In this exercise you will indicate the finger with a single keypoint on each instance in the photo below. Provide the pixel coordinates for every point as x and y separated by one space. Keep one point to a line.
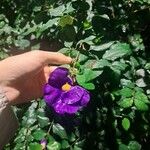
56 58
48 71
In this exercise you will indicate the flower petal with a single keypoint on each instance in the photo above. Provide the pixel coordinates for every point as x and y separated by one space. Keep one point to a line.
67 101
59 77
72 96
43 141
85 98
62 108
52 96
47 89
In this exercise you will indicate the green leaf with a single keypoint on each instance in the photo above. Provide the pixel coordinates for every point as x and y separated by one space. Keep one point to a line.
141 101
127 83
119 65
67 33
19 146
87 40
141 97
126 103
116 71
101 64
141 83
64 144
69 8
39 134
126 123
85 78
60 131
134 63
22 43
43 121
133 145
71 137
65 20
53 146
77 148
48 24
140 105
147 66
31 121
3 55
35 146
126 92
89 75
123 147
117 50
102 46
65 50
68 44
88 86
58 11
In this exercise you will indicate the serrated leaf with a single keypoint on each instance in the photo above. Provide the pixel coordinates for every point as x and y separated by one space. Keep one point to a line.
126 103
117 50
133 145
126 92
60 131
141 97
140 105
141 101
126 123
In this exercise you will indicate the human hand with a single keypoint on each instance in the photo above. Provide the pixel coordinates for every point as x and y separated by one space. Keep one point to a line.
22 76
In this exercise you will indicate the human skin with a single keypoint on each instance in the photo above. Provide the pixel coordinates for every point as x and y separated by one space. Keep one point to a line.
22 76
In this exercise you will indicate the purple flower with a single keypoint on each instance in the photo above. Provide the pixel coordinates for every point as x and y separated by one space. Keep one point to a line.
60 93
43 142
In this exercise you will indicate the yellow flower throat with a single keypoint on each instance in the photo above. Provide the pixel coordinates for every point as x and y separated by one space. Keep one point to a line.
66 87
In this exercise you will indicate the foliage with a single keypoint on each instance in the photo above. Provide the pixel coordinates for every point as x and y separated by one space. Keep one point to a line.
109 40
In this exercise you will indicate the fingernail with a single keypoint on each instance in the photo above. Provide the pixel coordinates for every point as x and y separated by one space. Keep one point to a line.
70 59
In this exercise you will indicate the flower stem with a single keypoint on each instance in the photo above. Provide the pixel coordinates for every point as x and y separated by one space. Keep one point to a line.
50 127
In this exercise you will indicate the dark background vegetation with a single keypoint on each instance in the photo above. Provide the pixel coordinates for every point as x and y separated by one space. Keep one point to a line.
110 40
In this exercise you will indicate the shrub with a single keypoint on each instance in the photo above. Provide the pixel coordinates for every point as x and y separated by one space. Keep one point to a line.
110 43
